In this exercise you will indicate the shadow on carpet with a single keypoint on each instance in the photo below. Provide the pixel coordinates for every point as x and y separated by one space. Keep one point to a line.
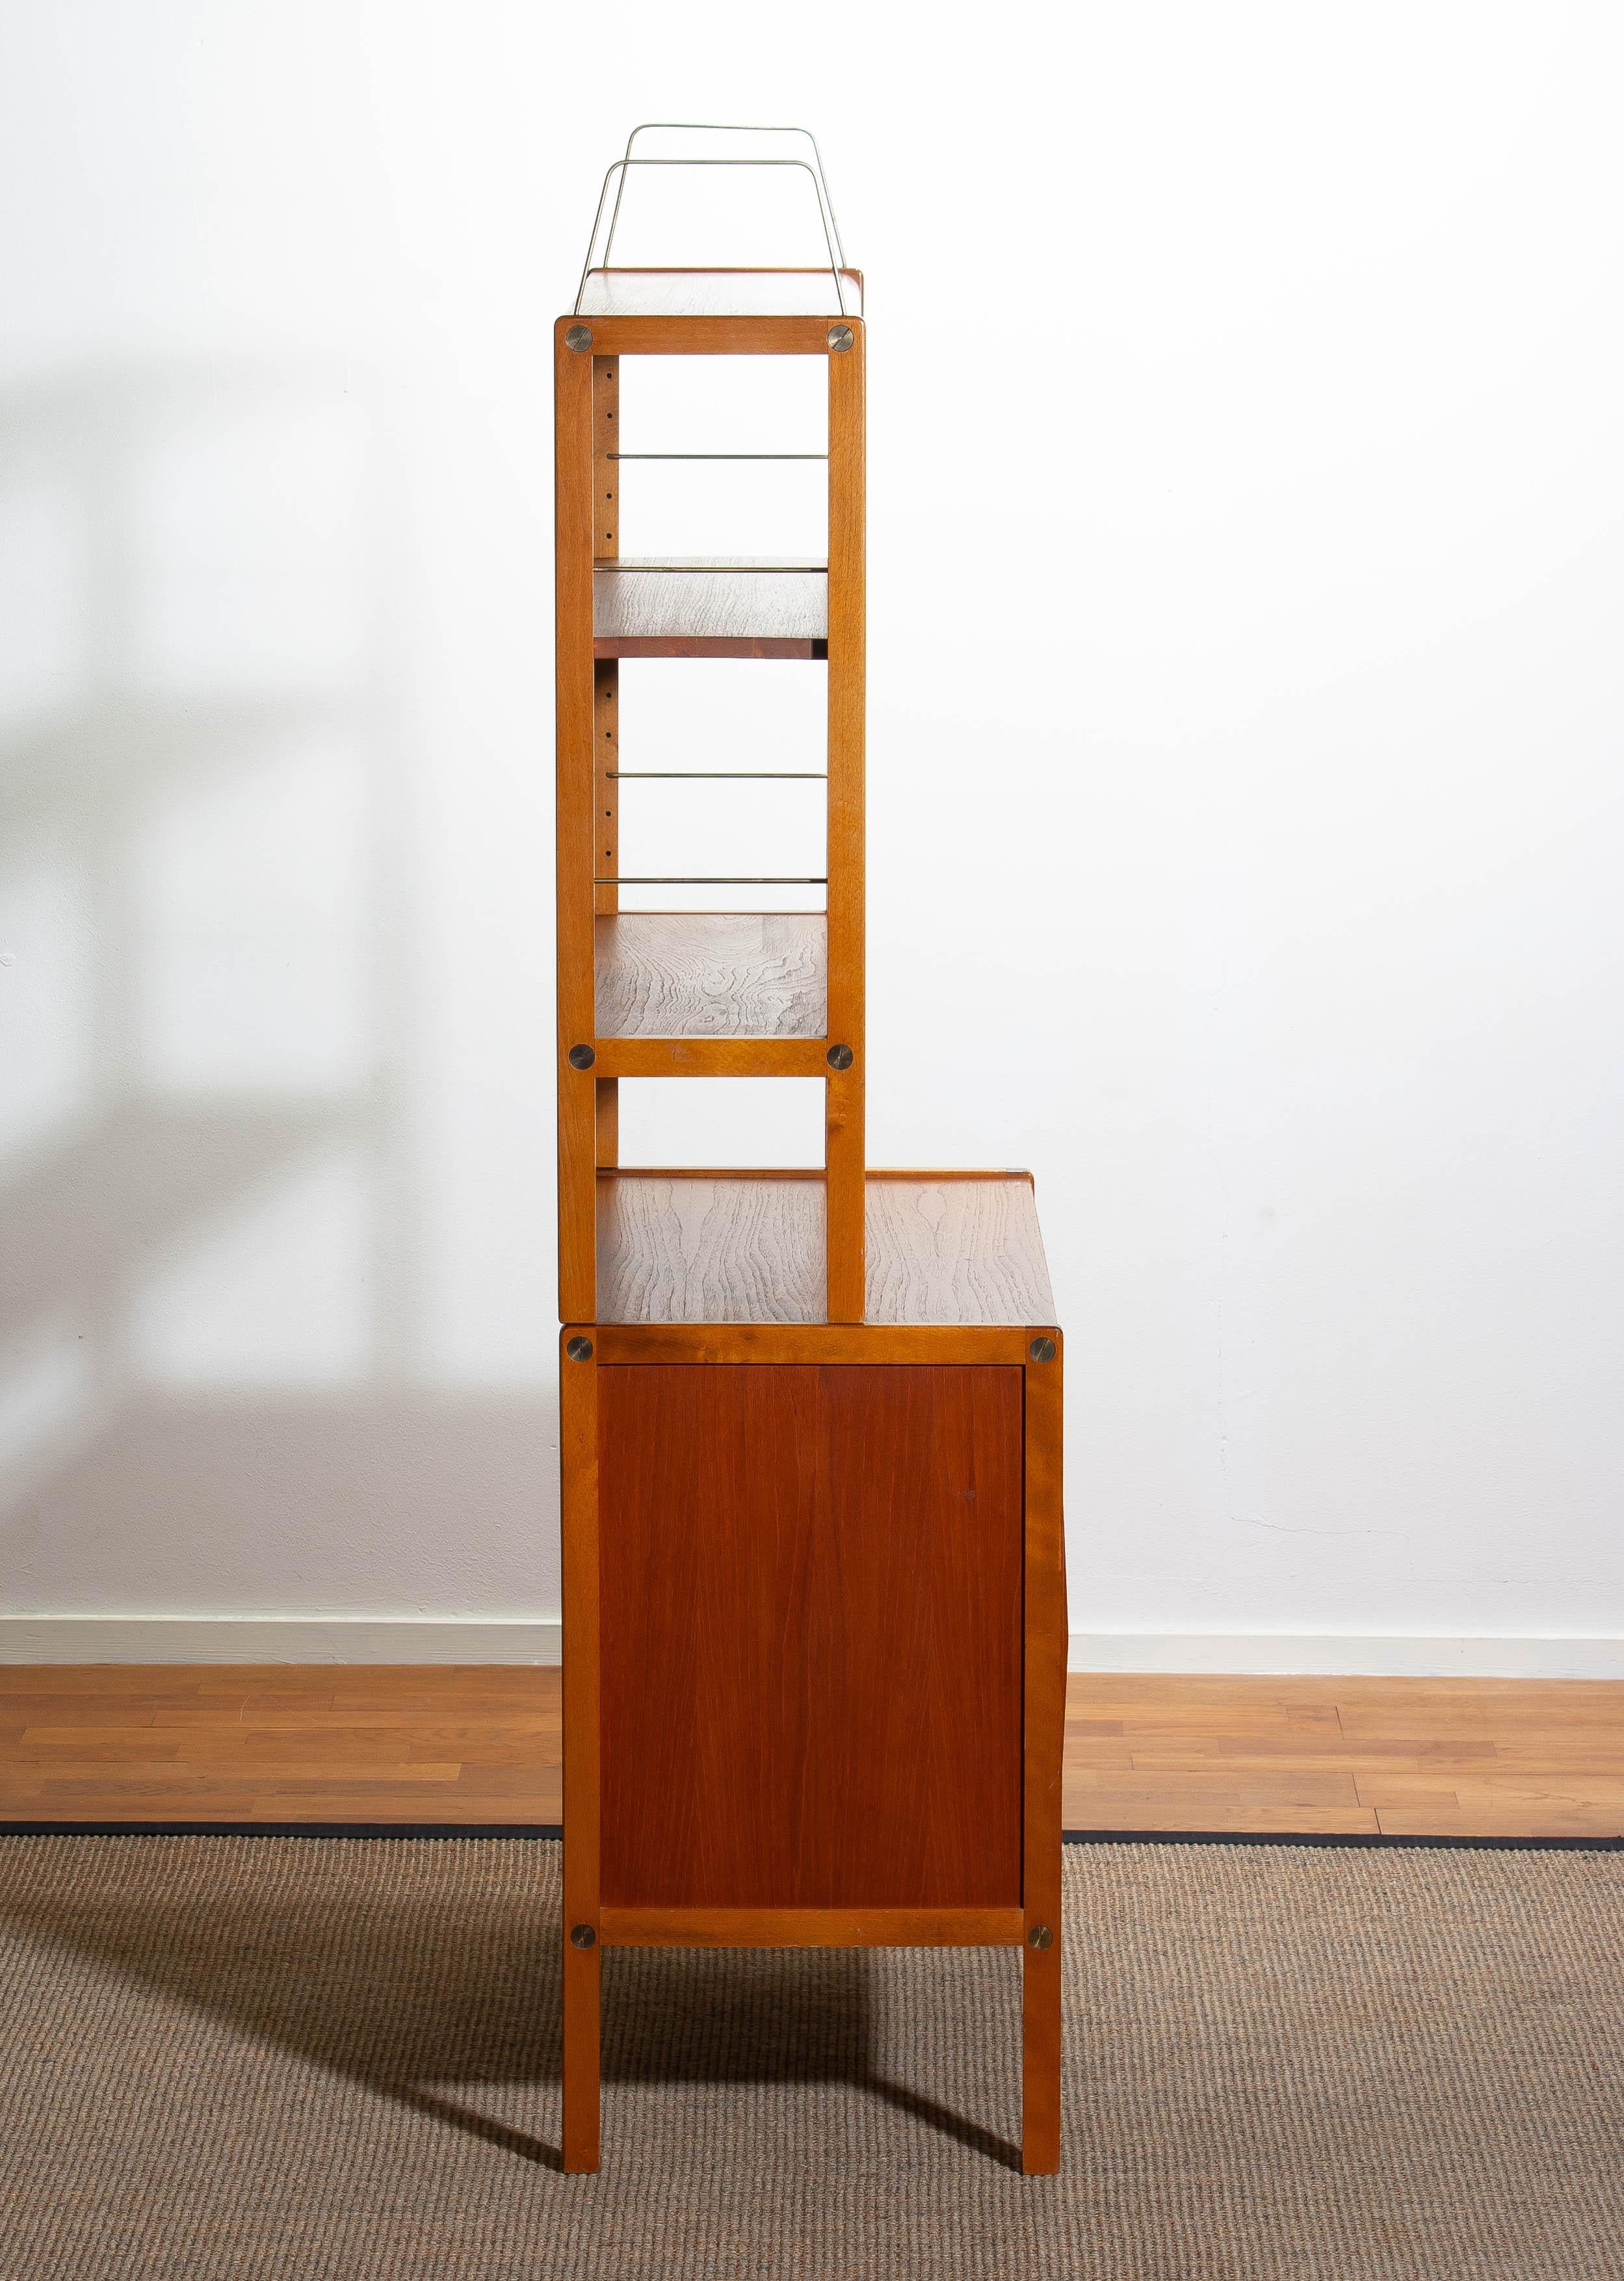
242 2057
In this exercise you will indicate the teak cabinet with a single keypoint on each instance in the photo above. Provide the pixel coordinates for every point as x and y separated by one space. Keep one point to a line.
815 1622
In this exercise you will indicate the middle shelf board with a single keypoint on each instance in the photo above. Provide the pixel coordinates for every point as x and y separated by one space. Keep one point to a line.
712 974
958 1248
719 607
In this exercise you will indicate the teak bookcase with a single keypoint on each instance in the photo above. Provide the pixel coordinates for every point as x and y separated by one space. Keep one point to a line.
815 1624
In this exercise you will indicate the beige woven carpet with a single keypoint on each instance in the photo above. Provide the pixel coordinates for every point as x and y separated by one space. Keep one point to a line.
298 2057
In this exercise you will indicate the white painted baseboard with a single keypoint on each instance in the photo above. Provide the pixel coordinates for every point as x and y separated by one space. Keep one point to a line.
375 1639
1345 1655
269 1639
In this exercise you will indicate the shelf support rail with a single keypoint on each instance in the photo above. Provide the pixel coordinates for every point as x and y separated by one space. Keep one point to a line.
697 126
825 210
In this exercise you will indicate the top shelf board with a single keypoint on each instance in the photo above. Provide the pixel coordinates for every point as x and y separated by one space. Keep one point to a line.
719 293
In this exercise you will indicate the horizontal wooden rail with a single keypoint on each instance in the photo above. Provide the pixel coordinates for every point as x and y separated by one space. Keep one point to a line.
707 336
806 1173
644 1928
707 1058
829 1344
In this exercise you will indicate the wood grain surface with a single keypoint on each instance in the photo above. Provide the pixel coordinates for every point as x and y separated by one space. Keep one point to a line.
581 1967
721 293
955 1251
679 1249
633 646
813 1343
645 1927
802 1057
707 335
580 697
606 784
845 1093
605 458
807 1575
480 1743
736 604
1046 1640
711 974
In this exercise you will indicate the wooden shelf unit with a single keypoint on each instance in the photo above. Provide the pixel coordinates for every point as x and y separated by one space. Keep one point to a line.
811 1419
588 478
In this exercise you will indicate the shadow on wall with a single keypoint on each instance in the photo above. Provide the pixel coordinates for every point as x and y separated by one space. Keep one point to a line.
213 1392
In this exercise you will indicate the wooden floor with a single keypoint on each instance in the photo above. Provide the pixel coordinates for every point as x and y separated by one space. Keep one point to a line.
478 1743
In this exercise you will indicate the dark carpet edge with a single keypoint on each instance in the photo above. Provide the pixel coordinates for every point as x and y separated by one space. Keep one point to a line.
531 1829
1359 1840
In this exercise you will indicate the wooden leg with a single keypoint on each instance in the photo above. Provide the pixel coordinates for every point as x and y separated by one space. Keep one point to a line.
1040 2060
578 1455
1045 1743
582 1985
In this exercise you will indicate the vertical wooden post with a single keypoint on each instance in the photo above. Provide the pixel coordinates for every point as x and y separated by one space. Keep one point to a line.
1044 1741
608 1122
606 463
605 700
843 1131
606 860
578 1459
578 1103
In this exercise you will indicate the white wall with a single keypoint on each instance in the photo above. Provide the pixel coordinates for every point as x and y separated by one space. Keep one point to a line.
1248 524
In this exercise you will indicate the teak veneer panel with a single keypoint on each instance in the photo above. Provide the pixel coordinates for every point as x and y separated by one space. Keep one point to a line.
712 974
955 1251
695 609
806 1575
672 1249
707 1247
951 1927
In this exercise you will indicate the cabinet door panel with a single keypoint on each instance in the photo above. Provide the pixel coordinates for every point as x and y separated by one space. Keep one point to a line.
810 1634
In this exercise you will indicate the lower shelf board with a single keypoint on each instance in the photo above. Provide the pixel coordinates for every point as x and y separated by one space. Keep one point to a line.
648 1928
710 608
952 1249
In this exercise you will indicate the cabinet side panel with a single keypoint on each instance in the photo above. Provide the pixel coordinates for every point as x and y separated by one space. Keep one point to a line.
811 1636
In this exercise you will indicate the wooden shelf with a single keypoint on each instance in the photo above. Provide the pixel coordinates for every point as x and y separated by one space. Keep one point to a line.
719 607
956 1249
712 974
719 293
943 1247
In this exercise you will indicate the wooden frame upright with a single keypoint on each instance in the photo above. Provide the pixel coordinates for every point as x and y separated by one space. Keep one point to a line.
958 1345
